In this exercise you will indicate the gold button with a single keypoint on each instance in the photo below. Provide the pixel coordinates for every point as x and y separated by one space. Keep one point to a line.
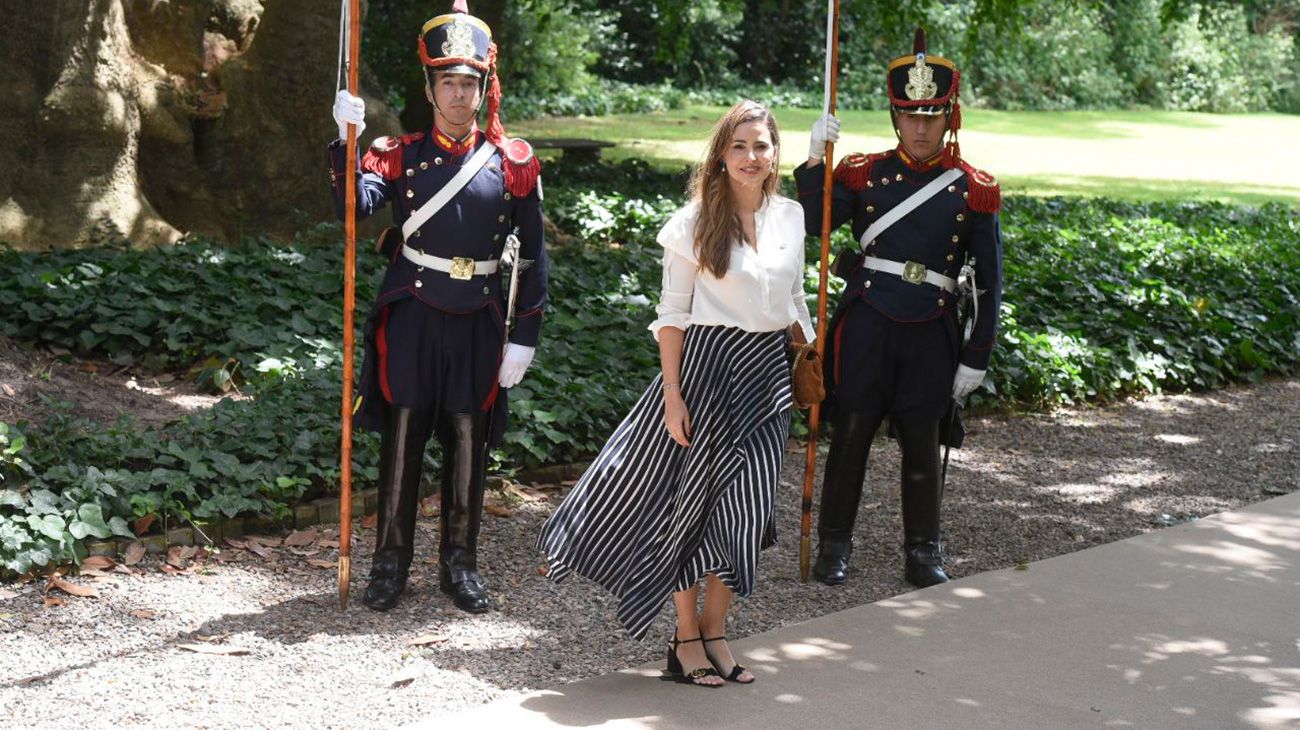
965 195
424 165
492 165
486 290
501 218
419 269
417 233
507 196
941 302
496 237
866 284
884 181
871 209
899 177
437 160
410 193
956 239
952 188
960 217
870 184
950 257
410 172
418 283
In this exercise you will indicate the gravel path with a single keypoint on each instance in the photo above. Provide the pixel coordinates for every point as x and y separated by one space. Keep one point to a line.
144 652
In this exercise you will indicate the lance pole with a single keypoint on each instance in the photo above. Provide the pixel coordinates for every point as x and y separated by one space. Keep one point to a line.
814 415
352 31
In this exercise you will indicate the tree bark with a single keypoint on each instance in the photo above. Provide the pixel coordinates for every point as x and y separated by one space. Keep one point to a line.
144 121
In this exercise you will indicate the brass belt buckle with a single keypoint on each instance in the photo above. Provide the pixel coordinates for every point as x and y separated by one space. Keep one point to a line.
913 272
462 268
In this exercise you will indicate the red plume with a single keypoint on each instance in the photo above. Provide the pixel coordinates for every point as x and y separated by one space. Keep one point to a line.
460 7
918 43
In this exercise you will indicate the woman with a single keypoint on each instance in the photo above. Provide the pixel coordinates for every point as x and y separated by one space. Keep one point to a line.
685 487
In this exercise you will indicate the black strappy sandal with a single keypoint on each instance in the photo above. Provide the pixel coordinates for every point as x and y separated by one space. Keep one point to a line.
675 665
736 671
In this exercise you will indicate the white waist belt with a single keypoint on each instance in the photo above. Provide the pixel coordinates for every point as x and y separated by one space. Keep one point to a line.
911 272
461 268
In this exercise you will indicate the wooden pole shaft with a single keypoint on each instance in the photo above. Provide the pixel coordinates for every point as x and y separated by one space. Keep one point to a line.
349 301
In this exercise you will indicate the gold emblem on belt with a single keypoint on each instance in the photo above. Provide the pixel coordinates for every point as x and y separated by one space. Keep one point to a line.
913 272
462 268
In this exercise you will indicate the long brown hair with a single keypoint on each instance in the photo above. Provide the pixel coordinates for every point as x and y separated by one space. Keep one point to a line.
718 226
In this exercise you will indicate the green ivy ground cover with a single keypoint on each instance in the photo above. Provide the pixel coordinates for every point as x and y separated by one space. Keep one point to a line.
1103 300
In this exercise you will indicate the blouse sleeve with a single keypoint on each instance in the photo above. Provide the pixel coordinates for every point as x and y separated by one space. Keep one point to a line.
801 299
679 271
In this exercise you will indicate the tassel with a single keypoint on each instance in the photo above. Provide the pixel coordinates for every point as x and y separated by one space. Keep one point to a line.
495 132
854 171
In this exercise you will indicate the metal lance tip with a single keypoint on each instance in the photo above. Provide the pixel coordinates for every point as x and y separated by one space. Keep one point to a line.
345 580
805 553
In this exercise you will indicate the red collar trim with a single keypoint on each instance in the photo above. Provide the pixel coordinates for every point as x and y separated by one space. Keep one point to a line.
920 165
449 145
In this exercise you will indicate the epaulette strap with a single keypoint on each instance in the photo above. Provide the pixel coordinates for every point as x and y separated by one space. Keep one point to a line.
522 167
854 171
985 193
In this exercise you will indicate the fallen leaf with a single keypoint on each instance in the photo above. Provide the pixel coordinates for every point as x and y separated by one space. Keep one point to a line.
236 543
258 550
266 540
71 589
543 570
322 563
498 510
212 637
403 678
328 543
142 613
53 601
98 562
215 649
301 538
142 525
179 556
426 640
568 482
6 595
526 496
170 569
8 389
134 553
370 521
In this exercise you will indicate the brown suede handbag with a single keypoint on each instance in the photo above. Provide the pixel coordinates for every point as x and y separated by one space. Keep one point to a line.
806 376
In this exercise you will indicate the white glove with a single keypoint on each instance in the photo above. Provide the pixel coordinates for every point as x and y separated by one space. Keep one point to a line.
514 364
966 381
825 129
349 109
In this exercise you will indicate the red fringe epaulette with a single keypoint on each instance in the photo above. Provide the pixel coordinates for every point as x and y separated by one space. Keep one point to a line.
985 193
522 167
854 170
384 158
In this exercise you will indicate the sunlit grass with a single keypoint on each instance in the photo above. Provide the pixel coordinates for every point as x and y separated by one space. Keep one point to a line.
1132 155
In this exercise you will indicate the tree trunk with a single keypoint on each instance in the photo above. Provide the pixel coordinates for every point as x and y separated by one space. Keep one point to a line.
144 121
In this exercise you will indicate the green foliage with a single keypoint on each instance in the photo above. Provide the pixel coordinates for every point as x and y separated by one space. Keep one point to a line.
1106 299
197 304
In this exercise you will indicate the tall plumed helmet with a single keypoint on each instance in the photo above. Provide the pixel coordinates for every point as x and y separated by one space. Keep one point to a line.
921 83
458 42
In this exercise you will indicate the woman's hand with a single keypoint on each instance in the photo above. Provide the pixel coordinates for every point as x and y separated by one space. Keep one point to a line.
676 419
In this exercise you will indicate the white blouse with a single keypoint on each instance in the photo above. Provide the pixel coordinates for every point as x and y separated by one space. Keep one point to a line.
762 290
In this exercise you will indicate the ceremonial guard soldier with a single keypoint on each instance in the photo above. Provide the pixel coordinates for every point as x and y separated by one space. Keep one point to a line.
435 362
923 219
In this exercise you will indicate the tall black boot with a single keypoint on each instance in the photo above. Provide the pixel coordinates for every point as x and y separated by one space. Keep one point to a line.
922 497
464 449
846 467
400 458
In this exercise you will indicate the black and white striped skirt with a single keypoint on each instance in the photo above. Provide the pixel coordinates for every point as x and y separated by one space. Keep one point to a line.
650 517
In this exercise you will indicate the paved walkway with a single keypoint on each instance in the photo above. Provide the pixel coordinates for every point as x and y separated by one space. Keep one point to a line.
1194 626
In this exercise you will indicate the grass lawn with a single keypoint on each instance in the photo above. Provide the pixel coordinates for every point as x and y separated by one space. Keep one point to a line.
1244 158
